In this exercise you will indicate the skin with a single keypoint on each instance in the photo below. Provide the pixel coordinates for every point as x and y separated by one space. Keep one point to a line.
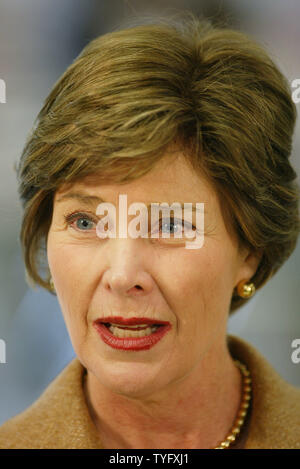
185 391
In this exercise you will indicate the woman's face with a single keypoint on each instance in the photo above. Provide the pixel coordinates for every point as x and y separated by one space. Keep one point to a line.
154 278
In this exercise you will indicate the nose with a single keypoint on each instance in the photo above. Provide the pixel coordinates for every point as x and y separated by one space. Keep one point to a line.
127 273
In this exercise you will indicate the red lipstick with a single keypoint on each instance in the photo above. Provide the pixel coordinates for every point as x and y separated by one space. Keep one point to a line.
130 321
131 343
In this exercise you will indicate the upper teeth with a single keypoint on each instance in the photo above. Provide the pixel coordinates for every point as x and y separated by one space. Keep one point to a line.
131 327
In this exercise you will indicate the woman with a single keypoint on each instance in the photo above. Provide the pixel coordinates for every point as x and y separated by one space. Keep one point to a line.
168 112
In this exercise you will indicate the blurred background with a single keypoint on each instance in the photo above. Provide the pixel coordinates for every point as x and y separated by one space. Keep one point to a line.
38 40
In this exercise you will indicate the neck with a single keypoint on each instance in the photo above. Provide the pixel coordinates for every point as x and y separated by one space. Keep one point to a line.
196 412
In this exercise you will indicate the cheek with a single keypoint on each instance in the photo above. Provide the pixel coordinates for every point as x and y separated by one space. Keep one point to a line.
68 265
216 280
200 287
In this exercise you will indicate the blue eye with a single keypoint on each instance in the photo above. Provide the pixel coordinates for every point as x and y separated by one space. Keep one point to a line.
167 224
174 222
84 223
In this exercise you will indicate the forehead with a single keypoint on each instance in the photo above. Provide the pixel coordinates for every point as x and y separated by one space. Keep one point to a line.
173 177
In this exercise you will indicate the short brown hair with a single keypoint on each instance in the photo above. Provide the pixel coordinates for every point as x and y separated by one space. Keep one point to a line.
133 92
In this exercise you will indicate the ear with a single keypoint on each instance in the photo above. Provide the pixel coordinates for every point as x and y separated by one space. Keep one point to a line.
248 263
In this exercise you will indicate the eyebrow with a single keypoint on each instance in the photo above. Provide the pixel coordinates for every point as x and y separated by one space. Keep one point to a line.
86 199
91 200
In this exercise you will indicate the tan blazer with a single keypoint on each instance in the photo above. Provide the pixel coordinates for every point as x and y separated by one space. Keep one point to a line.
60 417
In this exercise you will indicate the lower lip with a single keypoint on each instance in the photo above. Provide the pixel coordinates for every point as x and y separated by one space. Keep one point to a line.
131 343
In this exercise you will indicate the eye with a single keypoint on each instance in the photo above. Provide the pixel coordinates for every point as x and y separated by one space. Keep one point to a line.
176 223
165 224
82 221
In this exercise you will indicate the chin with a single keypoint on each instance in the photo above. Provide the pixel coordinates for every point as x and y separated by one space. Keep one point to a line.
132 380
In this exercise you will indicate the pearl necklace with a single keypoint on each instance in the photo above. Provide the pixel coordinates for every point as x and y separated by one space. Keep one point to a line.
242 413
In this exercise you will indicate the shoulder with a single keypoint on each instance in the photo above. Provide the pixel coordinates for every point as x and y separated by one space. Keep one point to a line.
275 415
58 419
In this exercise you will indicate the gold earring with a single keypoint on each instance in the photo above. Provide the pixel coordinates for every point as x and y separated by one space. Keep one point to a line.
51 284
245 290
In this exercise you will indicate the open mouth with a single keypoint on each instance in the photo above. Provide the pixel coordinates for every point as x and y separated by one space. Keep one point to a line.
131 334
140 330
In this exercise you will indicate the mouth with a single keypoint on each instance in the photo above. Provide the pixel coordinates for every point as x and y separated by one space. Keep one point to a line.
131 333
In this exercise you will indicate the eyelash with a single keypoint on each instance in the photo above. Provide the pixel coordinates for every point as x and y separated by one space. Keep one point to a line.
71 217
74 216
